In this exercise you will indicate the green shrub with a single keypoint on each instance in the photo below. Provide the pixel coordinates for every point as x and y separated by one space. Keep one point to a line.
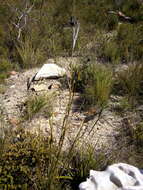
25 162
138 136
130 81
125 46
129 41
45 33
5 66
29 56
111 52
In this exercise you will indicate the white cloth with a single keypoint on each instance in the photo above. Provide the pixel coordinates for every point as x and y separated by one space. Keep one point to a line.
116 177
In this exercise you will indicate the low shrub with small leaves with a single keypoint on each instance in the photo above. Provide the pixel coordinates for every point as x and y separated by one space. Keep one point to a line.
33 162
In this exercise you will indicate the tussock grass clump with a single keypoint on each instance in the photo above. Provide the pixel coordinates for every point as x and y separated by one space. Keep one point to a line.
94 81
98 89
36 104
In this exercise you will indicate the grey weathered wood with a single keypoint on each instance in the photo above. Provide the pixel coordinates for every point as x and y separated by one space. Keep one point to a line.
22 19
75 34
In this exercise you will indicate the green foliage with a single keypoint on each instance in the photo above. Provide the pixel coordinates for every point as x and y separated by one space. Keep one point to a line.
95 13
35 104
2 89
138 136
5 66
82 161
29 57
25 162
32 162
111 52
98 89
125 105
132 8
129 40
94 81
36 162
46 34
125 46
130 81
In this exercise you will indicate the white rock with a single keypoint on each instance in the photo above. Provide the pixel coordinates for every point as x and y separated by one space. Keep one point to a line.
50 71
116 177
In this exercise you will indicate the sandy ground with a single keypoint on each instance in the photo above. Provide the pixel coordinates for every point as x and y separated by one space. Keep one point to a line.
97 131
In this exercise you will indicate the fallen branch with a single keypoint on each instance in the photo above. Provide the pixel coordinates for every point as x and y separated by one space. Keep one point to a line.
122 16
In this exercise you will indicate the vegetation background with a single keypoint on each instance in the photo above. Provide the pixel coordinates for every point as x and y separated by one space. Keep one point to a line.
105 37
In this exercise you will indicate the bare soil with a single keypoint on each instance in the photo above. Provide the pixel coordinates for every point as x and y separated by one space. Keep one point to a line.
99 131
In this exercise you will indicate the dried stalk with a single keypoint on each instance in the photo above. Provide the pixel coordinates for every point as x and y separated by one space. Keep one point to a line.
75 34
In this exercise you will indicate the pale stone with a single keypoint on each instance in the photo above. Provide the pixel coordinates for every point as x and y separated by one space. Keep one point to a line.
13 73
40 87
116 177
50 71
